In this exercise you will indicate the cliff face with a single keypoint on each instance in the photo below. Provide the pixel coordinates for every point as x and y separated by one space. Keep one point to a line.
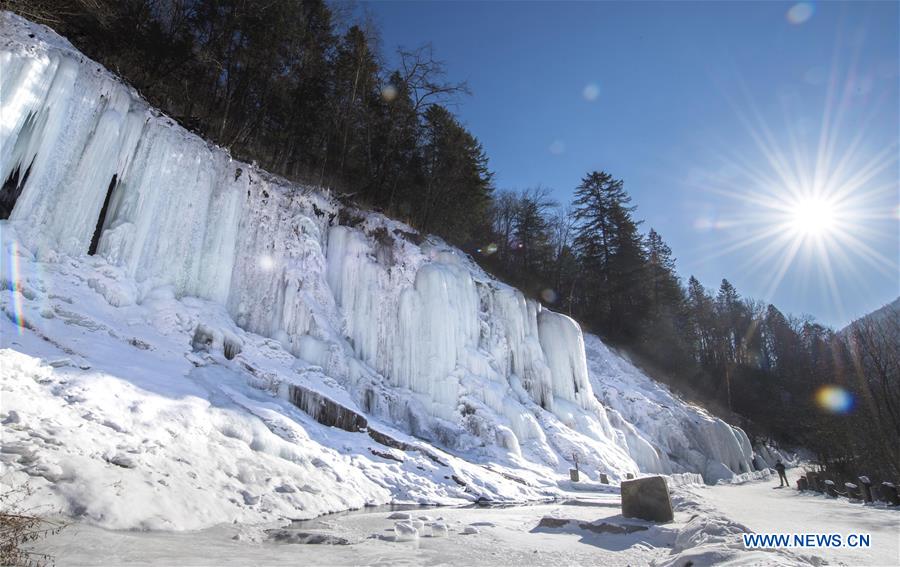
382 325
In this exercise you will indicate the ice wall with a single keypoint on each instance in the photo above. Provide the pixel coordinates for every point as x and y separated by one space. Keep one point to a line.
417 334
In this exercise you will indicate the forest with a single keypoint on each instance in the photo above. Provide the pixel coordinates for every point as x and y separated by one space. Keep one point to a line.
304 90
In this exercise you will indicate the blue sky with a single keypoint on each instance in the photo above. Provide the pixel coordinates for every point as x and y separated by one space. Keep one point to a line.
713 113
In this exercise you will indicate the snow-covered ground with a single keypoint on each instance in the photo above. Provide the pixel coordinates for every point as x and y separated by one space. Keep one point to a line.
707 530
764 508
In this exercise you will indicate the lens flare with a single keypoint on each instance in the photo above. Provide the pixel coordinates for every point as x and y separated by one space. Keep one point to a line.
590 92
267 263
549 296
15 286
834 399
799 13
558 147
389 93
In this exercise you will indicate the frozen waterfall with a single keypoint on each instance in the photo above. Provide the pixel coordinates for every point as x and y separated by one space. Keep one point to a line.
417 334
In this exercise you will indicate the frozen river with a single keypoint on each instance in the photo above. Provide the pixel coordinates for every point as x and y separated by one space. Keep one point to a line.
707 530
506 535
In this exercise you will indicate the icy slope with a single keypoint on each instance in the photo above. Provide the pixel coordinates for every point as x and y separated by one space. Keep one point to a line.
346 292
685 437
176 278
112 416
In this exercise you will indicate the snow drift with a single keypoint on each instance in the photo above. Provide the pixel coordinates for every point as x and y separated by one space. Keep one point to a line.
267 293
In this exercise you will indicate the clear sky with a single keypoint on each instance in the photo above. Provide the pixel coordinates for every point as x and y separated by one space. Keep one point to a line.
760 138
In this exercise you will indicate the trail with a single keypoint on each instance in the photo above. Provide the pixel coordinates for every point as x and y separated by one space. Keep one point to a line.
766 509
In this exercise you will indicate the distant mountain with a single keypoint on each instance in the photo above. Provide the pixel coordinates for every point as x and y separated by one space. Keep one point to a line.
884 312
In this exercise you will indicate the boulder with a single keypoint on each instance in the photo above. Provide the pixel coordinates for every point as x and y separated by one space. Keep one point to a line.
648 499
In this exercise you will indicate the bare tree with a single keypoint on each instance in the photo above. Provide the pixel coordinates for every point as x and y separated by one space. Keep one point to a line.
874 345
424 77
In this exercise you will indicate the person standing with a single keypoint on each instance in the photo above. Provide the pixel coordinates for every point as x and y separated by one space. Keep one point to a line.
781 476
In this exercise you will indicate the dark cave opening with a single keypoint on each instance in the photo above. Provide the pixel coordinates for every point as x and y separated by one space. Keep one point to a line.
12 189
95 240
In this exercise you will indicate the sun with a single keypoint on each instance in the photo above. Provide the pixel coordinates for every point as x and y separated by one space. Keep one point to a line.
814 216
811 210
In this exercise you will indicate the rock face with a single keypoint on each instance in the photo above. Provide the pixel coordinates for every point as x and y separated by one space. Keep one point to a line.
647 499
325 410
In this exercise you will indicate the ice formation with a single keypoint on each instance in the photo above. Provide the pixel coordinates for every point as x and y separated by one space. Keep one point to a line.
380 322
684 438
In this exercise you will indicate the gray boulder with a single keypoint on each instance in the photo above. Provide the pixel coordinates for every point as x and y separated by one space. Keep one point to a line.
648 499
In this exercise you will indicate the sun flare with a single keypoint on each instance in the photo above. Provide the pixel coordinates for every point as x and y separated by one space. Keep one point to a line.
813 217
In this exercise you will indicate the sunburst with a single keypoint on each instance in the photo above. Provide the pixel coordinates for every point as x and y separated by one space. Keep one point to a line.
816 206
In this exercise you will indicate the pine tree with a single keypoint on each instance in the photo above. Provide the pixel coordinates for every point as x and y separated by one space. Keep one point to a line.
457 183
531 229
667 333
665 293
610 250
592 209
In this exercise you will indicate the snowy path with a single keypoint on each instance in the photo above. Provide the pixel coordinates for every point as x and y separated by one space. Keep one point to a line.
765 509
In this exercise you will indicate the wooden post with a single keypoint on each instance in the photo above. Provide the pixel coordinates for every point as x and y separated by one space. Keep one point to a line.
866 488
889 490
812 481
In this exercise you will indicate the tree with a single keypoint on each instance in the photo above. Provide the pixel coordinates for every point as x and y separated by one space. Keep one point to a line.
592 207
665 294
457 183
666 333
531 231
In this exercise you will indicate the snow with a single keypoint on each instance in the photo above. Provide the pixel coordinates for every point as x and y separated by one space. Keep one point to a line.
405 532
588 530
762 507
665 434
150 386
172 394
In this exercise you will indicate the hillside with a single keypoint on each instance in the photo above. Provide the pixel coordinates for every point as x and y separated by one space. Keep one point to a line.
189 340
